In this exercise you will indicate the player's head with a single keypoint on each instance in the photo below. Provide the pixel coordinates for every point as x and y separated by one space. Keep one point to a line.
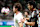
31 5
17 8
26 13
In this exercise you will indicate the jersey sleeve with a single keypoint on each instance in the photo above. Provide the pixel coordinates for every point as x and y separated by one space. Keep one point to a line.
14 20
32 19
20 17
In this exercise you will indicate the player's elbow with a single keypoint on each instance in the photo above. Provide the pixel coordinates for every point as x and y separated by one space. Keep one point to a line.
32 24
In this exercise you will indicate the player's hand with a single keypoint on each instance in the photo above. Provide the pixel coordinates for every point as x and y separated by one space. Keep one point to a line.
23 20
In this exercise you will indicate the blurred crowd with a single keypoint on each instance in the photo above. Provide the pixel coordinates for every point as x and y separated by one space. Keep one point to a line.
10 3
22 3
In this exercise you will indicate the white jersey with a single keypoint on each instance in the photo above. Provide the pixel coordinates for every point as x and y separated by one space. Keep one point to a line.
17 19
38 20
33 13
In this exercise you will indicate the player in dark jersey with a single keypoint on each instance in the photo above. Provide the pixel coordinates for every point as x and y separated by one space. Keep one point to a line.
33 13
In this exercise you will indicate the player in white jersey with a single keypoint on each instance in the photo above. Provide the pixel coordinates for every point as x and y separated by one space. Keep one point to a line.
17 17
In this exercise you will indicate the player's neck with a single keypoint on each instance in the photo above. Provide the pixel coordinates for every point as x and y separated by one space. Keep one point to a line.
17 12
33 9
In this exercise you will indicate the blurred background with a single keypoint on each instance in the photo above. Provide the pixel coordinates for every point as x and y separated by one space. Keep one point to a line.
11 3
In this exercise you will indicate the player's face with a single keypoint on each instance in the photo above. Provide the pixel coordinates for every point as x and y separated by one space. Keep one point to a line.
29 6
14 10
26 13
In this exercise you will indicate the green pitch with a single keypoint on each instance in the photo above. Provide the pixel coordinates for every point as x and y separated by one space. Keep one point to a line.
5 26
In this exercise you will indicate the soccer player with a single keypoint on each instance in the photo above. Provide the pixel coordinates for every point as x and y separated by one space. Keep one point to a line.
32 9
17 16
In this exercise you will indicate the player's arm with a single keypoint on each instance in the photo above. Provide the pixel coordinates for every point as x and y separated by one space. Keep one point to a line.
26 18
30 23
23 20
20 24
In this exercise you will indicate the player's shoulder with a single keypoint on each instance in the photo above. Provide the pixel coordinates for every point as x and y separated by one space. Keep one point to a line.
14 13
20 13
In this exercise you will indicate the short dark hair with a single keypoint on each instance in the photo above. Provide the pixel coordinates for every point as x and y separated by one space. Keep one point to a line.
18 7
27 12
32 3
